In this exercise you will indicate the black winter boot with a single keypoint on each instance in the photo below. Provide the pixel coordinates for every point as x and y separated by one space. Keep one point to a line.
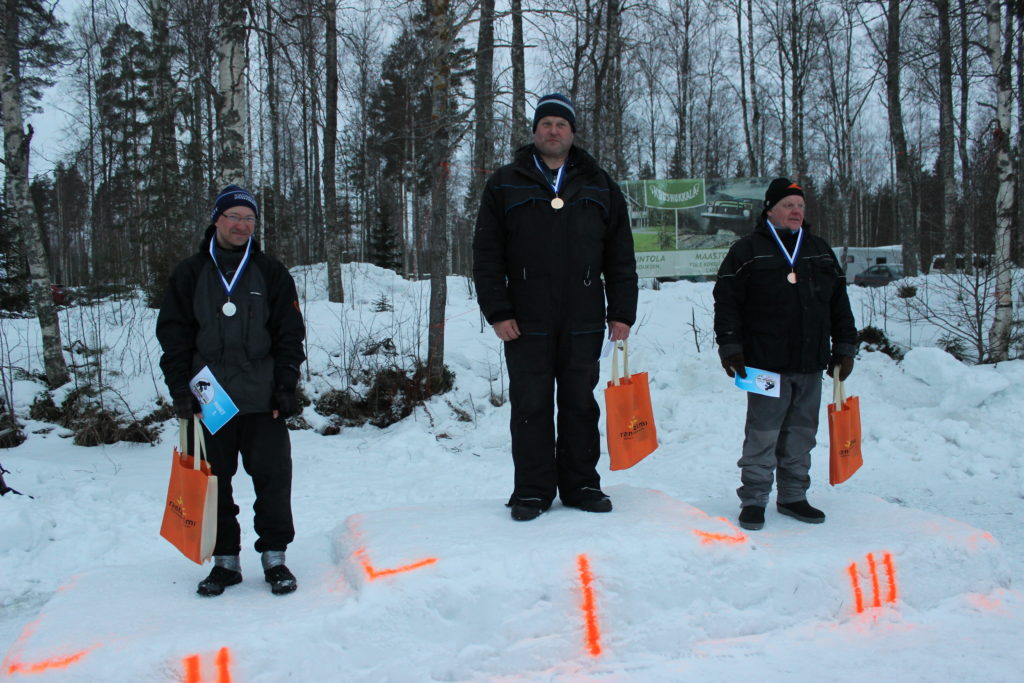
752 517
589 499
227 571
803 511
276 574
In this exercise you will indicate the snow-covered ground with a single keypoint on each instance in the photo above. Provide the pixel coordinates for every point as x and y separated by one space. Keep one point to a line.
915 576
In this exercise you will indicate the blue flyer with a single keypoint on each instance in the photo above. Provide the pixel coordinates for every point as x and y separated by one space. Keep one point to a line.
761 382
217 406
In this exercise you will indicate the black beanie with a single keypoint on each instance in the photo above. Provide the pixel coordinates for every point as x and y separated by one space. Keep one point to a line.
779 188
555 104
230 196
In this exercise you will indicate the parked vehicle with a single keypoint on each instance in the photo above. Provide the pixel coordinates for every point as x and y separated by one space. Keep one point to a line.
878 276
962 262
857 259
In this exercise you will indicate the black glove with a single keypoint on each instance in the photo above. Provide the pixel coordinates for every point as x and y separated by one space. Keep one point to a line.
185 406
845 364
735 365
285 402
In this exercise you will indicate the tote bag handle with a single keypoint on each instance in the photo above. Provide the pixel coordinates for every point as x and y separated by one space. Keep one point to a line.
622 346
198 440
838 390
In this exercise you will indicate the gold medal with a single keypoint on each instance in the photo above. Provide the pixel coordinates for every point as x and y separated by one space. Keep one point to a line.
557 203
791 277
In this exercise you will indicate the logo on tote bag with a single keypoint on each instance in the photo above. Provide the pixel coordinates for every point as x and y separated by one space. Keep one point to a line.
634 428
178 508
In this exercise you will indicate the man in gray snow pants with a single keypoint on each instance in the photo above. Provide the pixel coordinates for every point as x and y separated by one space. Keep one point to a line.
781 305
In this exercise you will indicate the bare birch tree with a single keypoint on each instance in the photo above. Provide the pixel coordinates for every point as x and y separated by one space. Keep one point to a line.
231 37
20 212
1000 55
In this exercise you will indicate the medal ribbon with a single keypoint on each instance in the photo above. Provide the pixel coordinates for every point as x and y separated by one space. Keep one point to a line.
556 186
230 286
796 248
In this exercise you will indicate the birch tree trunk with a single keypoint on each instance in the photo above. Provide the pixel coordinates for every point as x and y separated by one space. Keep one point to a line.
20 211
231 92
999 51
272 204
332 232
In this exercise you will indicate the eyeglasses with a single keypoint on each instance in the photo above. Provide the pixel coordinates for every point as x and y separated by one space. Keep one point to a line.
251 220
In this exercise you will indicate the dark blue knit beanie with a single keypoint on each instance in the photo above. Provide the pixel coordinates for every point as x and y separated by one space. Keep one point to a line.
230 196
555 104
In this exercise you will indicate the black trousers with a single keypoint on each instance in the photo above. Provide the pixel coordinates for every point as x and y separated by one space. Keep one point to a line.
546 370
266 453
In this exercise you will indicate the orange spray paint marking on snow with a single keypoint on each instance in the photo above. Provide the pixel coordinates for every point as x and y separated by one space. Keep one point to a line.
858 597
193 667
46 665
707 537
223 666
589 607
890 568
373 574
12 666
876 592
876 598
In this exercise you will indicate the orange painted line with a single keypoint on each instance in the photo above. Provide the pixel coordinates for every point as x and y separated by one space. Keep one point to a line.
46 665
373 574
709 537
11 665
876 596
223 666
890 568
589 607
191 666
858 597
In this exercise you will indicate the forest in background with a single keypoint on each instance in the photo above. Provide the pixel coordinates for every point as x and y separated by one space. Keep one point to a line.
367 130
667 88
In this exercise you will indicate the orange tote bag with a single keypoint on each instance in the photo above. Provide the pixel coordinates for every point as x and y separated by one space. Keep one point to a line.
190 511
844 455
629 417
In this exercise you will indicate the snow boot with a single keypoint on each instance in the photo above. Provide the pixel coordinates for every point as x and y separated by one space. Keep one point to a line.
752 517
589 499
276 573
524 513
803 511
525 509
227 571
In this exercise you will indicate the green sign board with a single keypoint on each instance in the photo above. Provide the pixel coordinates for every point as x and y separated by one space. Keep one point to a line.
684 193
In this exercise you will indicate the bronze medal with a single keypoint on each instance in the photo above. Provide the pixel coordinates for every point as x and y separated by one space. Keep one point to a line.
557 203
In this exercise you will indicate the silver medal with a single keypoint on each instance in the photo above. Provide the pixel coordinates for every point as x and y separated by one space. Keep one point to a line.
229 309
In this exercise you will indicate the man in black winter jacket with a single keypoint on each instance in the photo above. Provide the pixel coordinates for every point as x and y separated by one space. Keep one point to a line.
552 242
781 305
234 309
